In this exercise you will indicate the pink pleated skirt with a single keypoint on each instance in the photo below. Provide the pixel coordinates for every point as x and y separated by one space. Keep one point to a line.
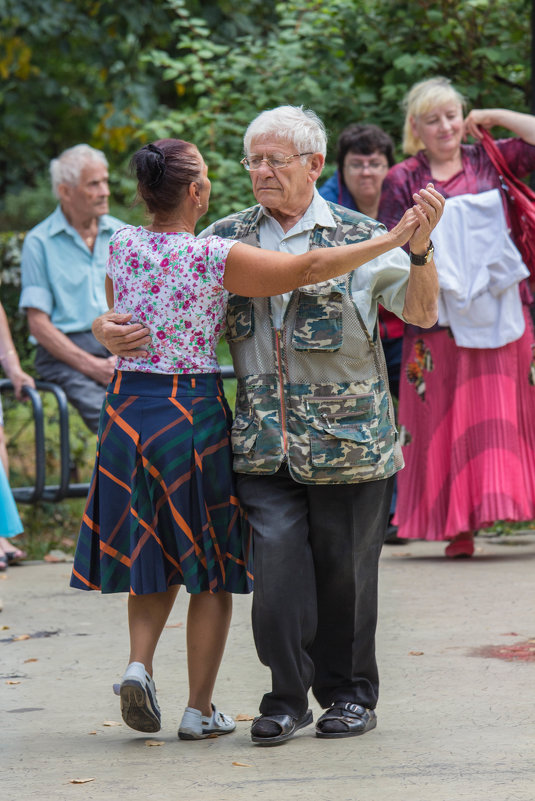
467 422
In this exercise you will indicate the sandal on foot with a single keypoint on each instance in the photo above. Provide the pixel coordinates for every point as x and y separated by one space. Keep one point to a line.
139 706
276 729
346 720
196 726
15 556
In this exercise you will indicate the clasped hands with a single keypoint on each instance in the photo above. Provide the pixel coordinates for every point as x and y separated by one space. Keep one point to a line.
417 223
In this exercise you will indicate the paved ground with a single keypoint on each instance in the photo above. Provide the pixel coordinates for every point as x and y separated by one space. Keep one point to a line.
455 722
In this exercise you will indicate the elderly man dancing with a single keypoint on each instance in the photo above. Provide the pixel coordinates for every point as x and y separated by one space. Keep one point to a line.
314 441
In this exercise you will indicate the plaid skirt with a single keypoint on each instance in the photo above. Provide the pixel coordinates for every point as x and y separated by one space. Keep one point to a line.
162 506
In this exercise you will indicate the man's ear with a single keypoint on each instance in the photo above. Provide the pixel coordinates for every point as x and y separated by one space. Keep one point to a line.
64 192
317 160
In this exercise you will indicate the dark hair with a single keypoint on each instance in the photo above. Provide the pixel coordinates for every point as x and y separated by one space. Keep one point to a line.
365 140
164 170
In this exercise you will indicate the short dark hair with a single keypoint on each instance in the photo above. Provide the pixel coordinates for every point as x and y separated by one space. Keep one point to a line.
365 139
164 171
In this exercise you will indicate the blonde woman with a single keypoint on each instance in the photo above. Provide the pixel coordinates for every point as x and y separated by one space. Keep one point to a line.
466 411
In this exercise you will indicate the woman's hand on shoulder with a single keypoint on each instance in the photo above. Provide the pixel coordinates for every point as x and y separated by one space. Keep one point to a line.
521 124
480 118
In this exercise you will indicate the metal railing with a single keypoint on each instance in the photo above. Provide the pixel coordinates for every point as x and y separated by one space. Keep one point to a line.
41 491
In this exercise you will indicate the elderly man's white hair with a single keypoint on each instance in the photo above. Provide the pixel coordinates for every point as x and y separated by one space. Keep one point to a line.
300 126
68 166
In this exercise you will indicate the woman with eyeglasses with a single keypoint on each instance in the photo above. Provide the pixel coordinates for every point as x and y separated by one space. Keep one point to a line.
467 403
162 509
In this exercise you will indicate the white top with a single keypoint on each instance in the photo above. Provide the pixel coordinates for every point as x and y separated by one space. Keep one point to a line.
173 284
479 269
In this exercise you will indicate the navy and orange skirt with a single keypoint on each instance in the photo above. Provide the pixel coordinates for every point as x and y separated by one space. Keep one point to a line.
162 507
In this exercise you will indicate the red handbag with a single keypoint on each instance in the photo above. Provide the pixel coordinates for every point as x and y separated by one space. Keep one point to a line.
521 203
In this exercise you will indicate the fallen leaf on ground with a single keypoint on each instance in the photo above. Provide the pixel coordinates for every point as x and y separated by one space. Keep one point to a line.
91 732
81 781
21 637
244 717
55 556
154 742
12 681
242 765
4 628
111 723
174 626
33 659
510 634
416 653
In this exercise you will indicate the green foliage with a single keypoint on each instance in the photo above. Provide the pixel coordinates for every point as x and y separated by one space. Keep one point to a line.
70 72
349 60
117 74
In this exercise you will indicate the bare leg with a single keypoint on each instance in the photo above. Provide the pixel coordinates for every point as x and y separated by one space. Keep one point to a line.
147 615
208 624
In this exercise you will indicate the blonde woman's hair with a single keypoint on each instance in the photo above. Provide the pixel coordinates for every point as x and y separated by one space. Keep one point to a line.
420 99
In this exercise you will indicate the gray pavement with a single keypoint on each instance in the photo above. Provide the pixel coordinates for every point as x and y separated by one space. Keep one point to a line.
455 721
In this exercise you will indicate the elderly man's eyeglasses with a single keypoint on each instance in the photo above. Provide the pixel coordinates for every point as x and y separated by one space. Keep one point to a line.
360 166
252 163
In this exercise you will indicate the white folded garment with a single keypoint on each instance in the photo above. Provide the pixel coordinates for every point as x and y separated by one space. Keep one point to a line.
479 269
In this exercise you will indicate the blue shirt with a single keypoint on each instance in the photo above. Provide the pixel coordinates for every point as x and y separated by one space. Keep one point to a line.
337 192
62 276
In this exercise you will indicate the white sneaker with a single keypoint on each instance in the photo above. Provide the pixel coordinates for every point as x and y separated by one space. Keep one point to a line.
195 726
139 706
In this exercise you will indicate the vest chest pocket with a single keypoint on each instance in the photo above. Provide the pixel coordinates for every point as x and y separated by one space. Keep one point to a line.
240 318
318 321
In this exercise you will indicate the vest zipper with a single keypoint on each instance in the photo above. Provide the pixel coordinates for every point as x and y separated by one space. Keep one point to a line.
281 383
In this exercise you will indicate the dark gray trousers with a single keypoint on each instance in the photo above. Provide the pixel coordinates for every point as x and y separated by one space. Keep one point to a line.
85 394
316 552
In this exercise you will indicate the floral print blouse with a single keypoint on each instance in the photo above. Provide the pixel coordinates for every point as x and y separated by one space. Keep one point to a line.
173 284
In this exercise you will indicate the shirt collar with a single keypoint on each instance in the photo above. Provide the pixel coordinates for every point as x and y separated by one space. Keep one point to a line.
59 223
317 214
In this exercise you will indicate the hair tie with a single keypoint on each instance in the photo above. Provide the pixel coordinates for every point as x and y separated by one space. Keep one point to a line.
159 163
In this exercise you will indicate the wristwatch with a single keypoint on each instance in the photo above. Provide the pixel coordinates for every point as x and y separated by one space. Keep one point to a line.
421 260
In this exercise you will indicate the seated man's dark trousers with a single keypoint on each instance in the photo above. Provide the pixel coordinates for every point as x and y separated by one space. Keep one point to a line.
316 553
85 394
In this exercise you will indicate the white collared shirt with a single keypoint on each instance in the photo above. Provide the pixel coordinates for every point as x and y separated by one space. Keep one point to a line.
382 280
393 266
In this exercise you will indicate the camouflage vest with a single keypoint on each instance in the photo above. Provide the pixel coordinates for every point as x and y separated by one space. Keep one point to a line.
314 393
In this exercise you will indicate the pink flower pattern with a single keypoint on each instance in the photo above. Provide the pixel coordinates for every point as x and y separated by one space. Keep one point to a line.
173 284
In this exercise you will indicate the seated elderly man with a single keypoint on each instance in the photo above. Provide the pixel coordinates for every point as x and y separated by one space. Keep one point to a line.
63 271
